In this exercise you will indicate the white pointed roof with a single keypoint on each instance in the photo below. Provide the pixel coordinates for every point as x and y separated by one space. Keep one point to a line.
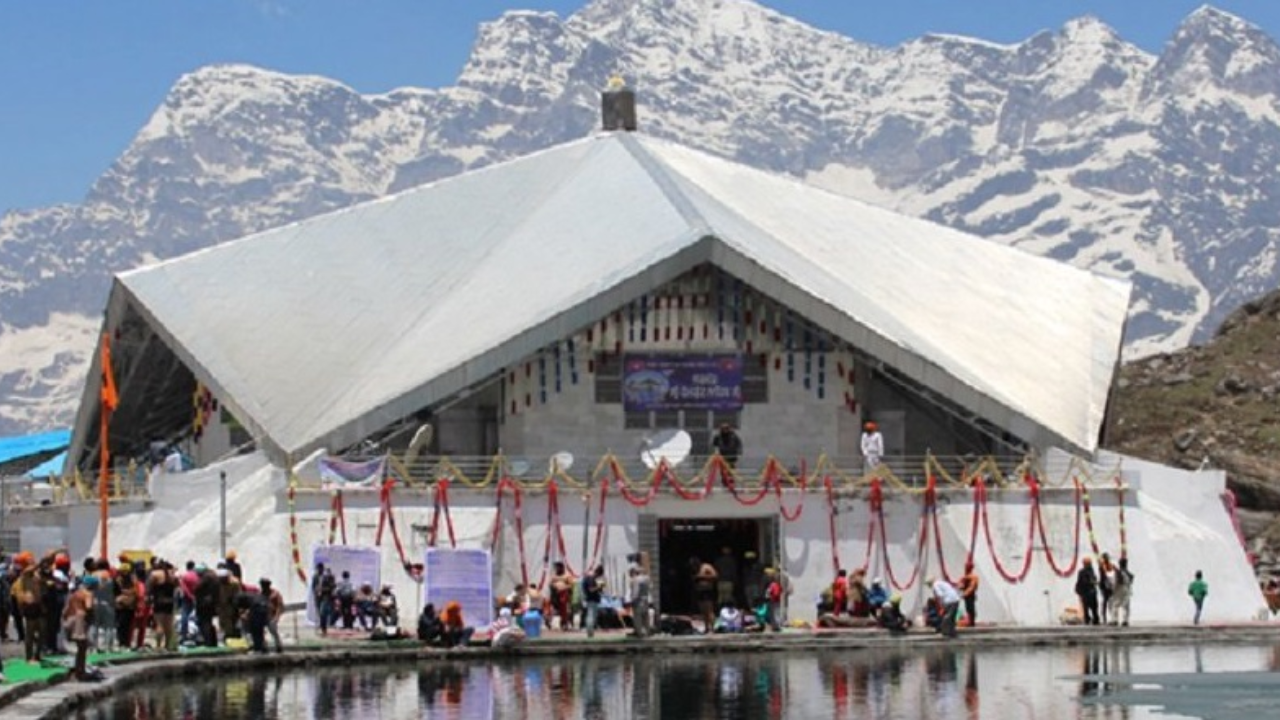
320 332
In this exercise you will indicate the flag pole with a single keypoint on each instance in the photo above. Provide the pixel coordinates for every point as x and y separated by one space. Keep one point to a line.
104 460
110 400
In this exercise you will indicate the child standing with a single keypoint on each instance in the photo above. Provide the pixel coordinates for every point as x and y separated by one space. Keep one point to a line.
773 595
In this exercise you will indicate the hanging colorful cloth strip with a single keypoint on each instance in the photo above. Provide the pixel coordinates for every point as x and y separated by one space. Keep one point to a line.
295 548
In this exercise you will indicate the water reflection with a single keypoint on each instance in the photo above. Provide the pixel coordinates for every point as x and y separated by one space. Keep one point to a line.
1100 667
1094 683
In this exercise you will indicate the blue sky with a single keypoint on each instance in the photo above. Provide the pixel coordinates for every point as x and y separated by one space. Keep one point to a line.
79 77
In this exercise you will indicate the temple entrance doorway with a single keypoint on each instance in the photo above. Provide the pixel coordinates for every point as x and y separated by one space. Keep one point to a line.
739 548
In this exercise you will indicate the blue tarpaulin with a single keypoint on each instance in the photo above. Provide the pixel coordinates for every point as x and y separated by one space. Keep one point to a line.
13 448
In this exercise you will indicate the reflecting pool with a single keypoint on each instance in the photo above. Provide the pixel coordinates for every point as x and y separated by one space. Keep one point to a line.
936 683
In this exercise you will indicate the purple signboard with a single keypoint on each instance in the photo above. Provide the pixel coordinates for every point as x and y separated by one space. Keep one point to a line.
682 382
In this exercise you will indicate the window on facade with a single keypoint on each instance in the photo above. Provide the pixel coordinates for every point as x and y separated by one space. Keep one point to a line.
755 381
608 379
667 419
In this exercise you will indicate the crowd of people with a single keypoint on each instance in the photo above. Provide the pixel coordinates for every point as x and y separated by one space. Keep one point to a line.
573 603
140 605
132 605
850 601
1105 592
339 601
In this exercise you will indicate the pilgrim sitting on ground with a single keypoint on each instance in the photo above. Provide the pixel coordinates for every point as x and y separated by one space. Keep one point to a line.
430 628
456 631
729 620
503 632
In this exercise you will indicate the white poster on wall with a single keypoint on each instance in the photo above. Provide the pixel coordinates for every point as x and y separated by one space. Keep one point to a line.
363 562
463 575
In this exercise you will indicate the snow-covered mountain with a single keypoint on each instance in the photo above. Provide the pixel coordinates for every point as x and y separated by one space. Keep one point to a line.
1073 144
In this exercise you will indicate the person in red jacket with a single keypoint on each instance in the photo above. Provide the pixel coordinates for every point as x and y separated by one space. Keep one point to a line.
774 593
968 588
141 615
840 593
187 581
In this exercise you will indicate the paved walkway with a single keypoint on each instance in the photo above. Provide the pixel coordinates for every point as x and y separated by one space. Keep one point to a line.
45 692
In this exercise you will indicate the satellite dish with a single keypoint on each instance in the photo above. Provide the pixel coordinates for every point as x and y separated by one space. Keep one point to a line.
518 466
561 461
421 439
670 445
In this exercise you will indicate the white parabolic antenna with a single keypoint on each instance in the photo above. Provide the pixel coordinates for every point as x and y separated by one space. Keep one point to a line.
561 461
670 445
519 466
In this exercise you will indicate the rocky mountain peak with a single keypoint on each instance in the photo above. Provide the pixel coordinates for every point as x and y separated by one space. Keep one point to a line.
606 12
1208 19
603 11
520 51
1215 49
1069 144
1090 30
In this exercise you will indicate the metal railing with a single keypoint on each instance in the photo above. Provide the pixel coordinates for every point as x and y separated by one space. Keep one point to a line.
902 471
127 483
908 470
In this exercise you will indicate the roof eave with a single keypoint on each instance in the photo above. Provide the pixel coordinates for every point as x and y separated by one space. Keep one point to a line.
510 351
919 369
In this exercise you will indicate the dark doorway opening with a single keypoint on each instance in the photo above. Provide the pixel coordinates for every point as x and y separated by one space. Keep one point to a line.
739 549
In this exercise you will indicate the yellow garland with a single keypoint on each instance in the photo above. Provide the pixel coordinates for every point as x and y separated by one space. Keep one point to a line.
399 469
294 549
988 468
565 479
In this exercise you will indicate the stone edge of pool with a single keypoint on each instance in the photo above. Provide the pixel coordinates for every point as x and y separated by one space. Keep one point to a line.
60 698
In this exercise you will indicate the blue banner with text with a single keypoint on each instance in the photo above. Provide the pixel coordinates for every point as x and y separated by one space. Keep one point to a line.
682 382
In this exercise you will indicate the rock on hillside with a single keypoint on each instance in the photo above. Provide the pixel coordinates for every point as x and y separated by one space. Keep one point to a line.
1215 404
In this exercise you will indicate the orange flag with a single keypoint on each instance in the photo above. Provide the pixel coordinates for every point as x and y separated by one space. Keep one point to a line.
110 399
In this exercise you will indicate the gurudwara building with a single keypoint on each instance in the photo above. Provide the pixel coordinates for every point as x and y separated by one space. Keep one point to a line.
559 337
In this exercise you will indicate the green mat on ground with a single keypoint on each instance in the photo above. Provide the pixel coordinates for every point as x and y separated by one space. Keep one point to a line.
109 657
201 650
17 670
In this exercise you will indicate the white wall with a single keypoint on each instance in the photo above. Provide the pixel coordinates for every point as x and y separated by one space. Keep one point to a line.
1188 528
1175 523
